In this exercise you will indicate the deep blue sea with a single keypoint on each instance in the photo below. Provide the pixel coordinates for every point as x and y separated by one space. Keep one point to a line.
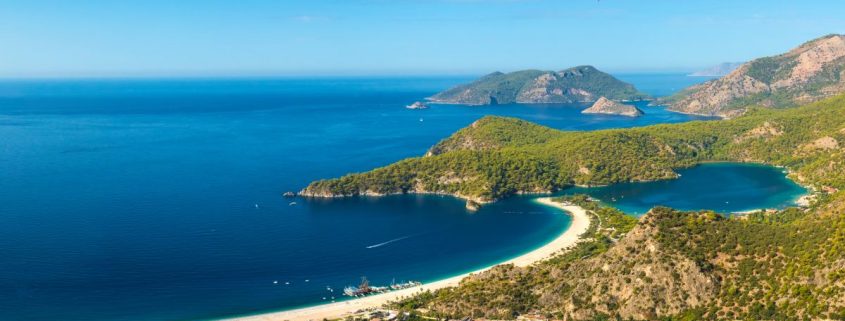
159 199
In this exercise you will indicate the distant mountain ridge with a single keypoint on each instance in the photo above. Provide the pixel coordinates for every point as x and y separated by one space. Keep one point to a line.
805 74
717 70
577 84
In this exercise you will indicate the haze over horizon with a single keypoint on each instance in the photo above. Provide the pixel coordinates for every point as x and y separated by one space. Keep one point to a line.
371 37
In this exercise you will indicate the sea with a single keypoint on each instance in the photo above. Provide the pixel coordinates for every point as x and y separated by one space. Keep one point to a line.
161 199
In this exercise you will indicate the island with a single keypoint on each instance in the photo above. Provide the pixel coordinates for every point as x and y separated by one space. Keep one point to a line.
808 73
576 84
607 106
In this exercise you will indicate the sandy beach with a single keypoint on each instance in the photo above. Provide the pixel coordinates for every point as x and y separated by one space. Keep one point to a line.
580 224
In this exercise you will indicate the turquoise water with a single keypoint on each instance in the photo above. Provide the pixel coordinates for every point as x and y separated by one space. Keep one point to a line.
722 187
160 199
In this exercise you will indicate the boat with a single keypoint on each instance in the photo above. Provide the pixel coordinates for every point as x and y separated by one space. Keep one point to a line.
364 289
404 285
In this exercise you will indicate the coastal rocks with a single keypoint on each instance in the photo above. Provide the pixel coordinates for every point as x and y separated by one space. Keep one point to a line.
607 106
417 105
472 206
806 200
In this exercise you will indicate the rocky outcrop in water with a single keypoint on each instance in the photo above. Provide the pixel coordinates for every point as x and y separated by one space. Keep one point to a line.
607 106
417 105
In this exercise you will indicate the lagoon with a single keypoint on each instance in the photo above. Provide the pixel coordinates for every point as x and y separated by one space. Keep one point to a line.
723 187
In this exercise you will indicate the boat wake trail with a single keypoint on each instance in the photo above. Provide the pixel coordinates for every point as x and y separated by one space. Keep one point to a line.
388 242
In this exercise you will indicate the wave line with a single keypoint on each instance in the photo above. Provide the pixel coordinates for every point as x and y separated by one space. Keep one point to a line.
388 242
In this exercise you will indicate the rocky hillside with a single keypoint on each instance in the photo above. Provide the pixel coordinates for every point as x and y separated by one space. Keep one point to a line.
805 74
578 84
607 106
638 278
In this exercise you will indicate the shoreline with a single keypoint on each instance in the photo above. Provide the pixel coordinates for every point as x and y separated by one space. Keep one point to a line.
579 225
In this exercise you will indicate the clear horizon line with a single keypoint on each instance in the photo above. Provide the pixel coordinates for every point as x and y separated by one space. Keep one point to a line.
207 75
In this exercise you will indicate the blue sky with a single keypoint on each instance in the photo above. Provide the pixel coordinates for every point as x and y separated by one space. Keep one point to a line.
381 37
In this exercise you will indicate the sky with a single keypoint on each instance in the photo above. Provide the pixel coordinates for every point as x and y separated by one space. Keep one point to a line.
99 38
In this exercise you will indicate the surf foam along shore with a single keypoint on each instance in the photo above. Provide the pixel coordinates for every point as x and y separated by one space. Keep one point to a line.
579 225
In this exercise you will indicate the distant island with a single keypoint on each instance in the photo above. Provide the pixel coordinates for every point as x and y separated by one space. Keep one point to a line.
808 73
577 84
607 106
717 70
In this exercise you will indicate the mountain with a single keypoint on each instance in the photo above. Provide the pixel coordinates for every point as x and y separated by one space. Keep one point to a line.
577 84
669 265
607 106
805 74
718 70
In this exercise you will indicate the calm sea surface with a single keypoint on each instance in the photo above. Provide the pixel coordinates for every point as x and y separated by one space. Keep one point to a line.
722 187
160 199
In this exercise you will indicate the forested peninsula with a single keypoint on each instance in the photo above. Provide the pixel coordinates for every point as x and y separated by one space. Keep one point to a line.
495 157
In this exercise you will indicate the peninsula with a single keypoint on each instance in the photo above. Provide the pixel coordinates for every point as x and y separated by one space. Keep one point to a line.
497 156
